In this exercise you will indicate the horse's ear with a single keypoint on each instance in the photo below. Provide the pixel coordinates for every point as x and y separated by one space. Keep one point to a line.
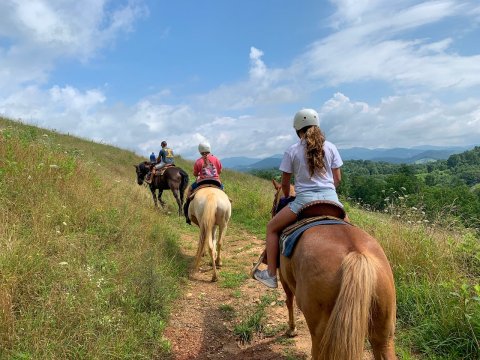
135 166
276 185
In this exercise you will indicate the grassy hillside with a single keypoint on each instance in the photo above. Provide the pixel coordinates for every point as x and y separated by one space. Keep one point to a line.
88 270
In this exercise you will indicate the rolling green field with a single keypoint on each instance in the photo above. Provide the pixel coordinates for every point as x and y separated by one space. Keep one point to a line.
89 271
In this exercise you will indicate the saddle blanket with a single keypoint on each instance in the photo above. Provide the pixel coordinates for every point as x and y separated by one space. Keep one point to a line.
291 234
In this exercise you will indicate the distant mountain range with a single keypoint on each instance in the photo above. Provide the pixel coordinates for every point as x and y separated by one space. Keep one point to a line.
415 155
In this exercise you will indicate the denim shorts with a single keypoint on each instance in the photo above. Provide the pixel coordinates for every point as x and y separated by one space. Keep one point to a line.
312 195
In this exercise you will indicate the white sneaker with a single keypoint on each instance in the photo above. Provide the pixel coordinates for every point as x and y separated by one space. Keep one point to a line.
264 277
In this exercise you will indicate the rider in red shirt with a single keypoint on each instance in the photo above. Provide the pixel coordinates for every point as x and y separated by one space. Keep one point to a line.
206 170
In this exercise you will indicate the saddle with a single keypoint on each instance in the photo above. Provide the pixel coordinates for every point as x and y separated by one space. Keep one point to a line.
321 208
319 212
163 169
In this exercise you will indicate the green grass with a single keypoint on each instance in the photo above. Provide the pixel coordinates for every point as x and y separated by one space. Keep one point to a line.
228 311
254 321
232 280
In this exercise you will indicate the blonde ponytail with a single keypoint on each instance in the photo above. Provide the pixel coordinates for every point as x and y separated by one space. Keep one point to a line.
314 139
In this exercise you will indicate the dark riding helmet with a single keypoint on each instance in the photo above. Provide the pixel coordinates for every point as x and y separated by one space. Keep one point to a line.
164 143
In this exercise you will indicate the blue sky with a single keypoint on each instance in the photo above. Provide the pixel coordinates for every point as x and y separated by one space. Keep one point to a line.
380 73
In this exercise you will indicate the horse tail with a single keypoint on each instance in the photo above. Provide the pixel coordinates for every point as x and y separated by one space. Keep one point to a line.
345 333
206 224
183 184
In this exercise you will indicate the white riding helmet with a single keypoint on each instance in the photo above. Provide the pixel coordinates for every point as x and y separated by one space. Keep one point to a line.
204 147
305 117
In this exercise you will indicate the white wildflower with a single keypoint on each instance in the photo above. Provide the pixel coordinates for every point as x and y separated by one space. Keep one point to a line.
53 166
63 263
64 223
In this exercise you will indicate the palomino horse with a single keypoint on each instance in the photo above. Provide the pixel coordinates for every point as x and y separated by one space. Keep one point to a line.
174 178
344 286
210 208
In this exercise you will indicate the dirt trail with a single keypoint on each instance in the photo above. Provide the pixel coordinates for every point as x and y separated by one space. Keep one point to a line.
202 328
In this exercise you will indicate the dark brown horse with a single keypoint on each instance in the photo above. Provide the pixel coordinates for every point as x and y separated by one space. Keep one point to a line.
174 178
344 286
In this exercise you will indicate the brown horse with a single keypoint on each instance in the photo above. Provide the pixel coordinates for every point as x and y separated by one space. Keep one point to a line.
174 178
210 208
344 286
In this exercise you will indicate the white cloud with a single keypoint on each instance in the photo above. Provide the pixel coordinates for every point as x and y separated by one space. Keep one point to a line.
402 121
258 68
375 50
39 32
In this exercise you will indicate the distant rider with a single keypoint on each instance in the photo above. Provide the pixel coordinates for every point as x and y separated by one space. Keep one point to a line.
165 157
153 158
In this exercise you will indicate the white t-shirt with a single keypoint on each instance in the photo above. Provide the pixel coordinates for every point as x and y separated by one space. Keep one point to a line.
294 162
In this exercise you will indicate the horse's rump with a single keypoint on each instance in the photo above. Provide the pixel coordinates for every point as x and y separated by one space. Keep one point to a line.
207 197
337 273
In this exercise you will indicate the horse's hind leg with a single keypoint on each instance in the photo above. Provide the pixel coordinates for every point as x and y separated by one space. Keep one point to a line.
154 195
382 328
212 250
160 192
179 201
292 328
222 229
382 343
381 338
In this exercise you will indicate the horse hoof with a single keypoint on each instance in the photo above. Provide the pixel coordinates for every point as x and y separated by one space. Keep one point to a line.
292 332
